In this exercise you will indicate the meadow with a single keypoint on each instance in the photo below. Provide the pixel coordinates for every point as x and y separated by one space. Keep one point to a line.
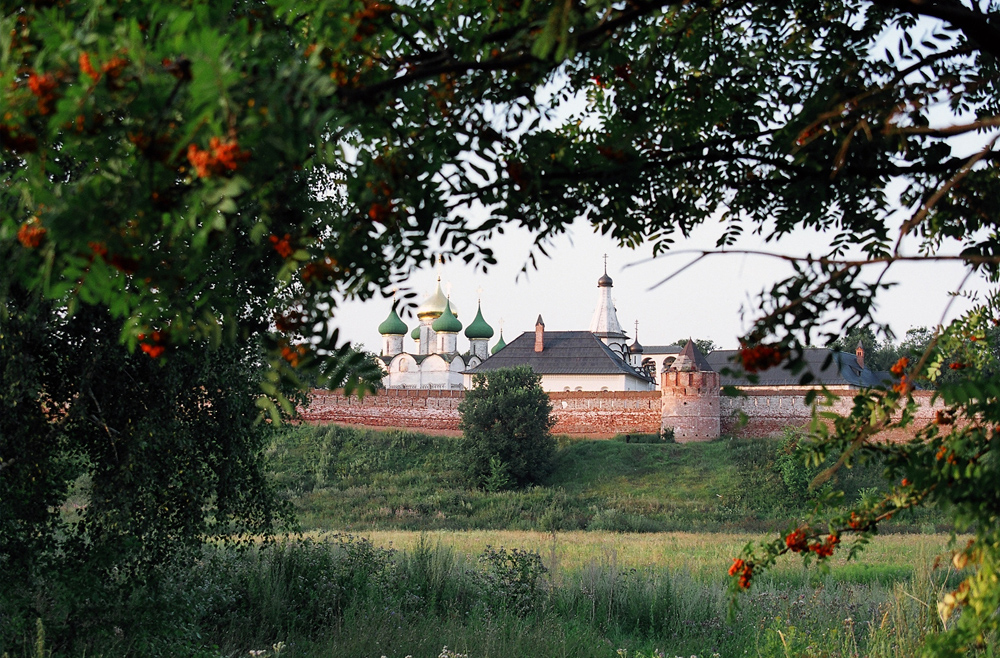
621 553
520 594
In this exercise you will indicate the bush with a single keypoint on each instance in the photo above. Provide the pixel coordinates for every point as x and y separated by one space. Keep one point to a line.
506 424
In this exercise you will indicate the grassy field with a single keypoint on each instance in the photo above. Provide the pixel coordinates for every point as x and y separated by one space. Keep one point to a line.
522 595
703 556
621 553
350 479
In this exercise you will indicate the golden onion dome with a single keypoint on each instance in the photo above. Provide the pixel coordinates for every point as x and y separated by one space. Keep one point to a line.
434 305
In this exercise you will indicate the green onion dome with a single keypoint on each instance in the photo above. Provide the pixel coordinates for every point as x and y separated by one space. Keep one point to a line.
393 326
500 344
447 323
479 328
415 334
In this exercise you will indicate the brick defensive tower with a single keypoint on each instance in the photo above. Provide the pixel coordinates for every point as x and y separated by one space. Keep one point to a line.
690 403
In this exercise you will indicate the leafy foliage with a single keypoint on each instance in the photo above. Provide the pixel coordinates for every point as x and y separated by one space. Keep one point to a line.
113 464
214 171
506 420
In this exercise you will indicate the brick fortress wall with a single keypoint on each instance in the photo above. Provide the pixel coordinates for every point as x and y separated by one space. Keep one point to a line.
416 409
576 412
769 411
585 413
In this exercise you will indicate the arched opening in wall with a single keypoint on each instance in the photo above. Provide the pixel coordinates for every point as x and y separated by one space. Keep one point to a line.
604 389
404 366
648 366
667 362
578 388
566 389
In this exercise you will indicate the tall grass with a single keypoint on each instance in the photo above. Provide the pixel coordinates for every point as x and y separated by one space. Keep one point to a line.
341 595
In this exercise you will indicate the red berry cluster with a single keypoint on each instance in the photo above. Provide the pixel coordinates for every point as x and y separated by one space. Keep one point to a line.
31 233
44 87
825 549
283 245
219 158
856 522
760 357
798 541
293 354
744 570
153 344
87 68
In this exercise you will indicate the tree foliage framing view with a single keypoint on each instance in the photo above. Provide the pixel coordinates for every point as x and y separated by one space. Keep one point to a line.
167 162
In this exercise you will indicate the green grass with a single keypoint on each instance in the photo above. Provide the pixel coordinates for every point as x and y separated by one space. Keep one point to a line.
424 570
351 479
337 595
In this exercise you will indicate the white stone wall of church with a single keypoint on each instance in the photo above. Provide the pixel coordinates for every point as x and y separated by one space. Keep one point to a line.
480 347
554 383
391 345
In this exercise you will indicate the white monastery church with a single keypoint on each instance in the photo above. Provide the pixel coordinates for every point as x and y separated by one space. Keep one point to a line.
599 359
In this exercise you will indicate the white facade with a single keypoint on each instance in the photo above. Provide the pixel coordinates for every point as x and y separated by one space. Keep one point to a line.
560 383
437 363
431 371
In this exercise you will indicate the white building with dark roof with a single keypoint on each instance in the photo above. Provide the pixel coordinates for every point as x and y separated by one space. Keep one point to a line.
567 361
599 359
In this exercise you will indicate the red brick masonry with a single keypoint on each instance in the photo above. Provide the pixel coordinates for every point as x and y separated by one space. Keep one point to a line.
576 412
596 413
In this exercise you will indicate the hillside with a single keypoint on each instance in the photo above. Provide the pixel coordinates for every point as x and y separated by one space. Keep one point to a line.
341 478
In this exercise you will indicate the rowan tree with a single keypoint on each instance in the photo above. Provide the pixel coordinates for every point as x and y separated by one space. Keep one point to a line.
165 161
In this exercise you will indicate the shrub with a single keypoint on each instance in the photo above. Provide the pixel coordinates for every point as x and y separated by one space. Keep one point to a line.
506 424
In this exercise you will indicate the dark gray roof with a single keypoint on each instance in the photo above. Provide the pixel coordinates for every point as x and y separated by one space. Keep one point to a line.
565 353
829 368
661 349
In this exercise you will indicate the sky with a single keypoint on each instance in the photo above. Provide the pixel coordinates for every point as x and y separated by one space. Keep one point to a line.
715 299
704 301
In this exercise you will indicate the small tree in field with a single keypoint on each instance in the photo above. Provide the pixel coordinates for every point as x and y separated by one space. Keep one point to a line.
506 420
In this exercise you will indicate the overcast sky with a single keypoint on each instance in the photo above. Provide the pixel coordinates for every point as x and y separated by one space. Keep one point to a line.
705 301
714 299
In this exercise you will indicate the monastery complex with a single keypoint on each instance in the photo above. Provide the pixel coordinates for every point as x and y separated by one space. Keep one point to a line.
599 382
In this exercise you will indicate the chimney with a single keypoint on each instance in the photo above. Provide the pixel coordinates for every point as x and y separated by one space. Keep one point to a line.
859 352
539 334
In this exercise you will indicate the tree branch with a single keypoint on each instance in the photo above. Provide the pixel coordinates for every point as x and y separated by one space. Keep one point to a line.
979 27
921 214
949 131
